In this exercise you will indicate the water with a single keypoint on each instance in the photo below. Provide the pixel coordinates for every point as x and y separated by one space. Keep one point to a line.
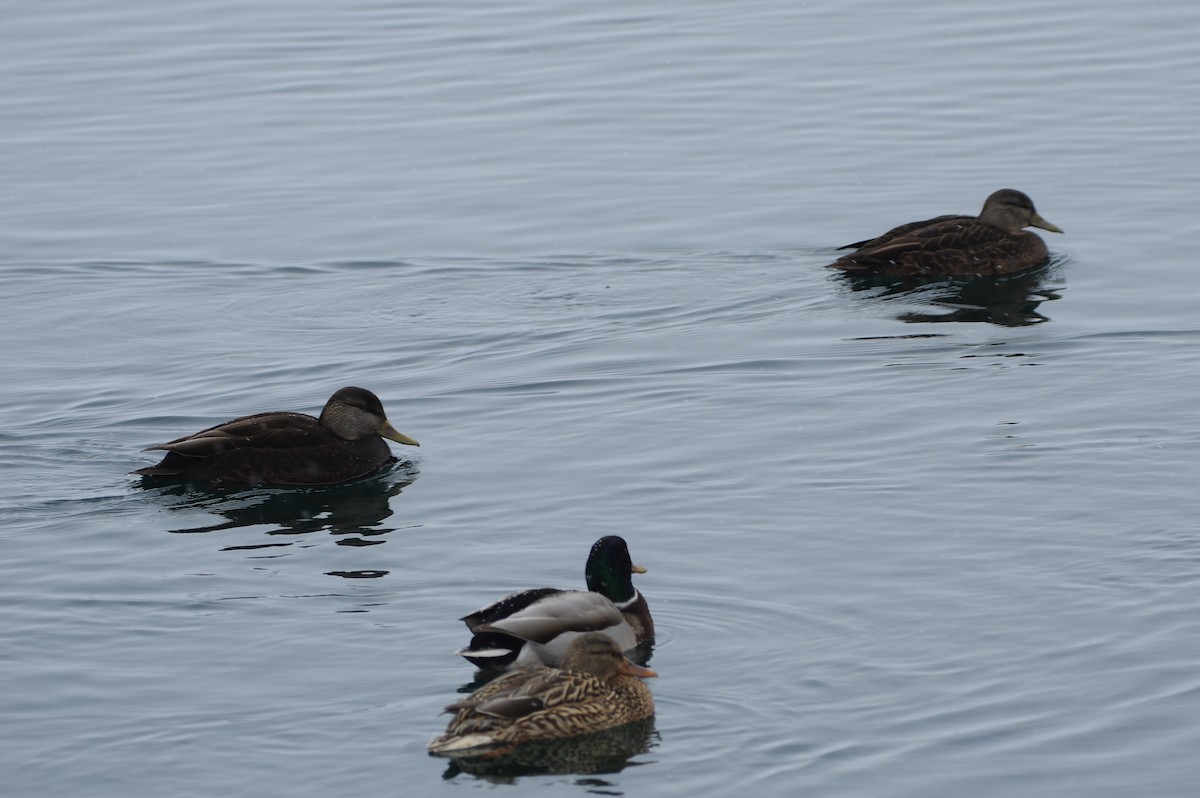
927 542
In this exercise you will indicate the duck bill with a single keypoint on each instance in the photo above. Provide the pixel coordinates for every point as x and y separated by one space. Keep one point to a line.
393 434
1038 221
630 669
637 569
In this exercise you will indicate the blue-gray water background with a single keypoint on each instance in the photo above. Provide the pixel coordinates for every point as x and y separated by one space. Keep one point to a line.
928 543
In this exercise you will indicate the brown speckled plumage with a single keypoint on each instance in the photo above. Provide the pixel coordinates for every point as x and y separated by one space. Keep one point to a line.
282 448
596 689
994 242
607 751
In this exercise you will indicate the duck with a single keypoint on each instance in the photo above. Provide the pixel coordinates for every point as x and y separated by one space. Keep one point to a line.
289 449
596 688
992 243
535 627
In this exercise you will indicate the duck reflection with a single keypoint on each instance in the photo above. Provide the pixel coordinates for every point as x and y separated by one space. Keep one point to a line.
355 512
608 751
1005 300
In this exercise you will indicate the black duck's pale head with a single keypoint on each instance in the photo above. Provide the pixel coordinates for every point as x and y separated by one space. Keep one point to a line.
1013 210
354 413
599 655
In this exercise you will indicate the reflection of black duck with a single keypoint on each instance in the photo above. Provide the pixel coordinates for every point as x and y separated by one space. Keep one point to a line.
282 448
1003 301
596 688
534 627
357 508
607 751
1006 300
994 242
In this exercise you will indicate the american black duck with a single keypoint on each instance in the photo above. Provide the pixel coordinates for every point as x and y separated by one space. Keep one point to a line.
994 242
595 689
534 627
283 448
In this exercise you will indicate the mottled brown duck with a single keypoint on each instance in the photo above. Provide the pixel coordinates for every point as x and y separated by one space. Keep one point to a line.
994 242
534 627
596 688
283 448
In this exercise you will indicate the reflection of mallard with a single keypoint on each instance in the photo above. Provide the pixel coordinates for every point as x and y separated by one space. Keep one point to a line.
607 751
596 689
533 627
282 448
994 242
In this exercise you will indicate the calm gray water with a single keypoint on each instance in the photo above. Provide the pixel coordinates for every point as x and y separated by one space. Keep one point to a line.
936 542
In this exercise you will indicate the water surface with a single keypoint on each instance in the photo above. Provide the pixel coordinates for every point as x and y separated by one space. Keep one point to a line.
932 541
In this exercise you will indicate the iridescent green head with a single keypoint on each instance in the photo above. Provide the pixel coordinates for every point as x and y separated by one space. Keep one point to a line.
610 570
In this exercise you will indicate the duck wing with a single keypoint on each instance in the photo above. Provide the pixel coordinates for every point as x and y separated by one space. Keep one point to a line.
955 245
512 603
554 615
903 230
542 627
532 703
530 690
267 431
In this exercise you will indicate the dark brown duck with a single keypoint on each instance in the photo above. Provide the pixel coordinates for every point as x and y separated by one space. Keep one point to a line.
284 448
994 242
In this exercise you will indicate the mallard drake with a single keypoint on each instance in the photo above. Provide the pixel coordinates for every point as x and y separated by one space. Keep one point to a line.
595 689
284 448
534 627
994 242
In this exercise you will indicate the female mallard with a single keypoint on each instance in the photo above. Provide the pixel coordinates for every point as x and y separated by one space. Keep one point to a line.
287 448
994 242
534 627
595 689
